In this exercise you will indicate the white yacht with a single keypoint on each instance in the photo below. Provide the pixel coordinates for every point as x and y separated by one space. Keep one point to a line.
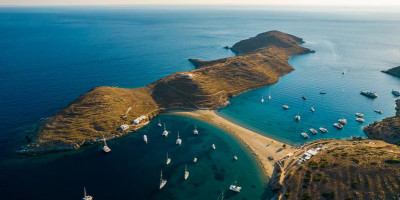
235 157
186 173
313 131
262 99
323 130
369 94
285 107
269 97
85 196
194 159
359 115
297 117
338 125
235 188
342 121
106 149
396 92
361 120
195 131
159 123
168 160
179 140
163 182
312 109
378 111
213 146
304 135
165 132
145 138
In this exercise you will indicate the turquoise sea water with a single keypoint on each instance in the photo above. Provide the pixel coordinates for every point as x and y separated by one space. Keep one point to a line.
50 56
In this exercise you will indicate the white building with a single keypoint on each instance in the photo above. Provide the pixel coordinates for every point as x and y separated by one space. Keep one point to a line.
138 120
124 127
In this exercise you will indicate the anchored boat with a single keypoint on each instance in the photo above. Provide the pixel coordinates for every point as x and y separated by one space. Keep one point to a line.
186 173
163 182
234 187
304 135
168 160
323 130
179 140
369 94
165 132
195 131
85 196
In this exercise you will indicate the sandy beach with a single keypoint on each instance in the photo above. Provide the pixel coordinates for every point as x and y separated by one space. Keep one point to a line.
262 147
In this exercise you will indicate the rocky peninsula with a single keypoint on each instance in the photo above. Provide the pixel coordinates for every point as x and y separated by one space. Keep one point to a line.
393 71
388 129
113 112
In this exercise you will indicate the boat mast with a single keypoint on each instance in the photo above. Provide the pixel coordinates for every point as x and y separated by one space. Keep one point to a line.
84 191
161 176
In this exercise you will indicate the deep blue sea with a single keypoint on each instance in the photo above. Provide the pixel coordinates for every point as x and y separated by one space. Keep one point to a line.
51 55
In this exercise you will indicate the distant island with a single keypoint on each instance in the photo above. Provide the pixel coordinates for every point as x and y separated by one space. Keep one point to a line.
393 71
112 112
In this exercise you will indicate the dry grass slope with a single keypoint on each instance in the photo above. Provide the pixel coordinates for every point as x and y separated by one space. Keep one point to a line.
347 170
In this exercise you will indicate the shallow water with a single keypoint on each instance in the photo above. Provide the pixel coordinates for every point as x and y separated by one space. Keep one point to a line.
50 56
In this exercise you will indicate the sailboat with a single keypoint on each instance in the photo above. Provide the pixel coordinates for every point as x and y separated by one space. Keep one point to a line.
186 173
168 160
159 123
106 149
165 132
235 157
195 131
179 140
194 159
221 195
145 138
269 97
234 187
85 196
163 182
213 146
262 98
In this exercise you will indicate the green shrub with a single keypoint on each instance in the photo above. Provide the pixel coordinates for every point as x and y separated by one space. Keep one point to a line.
306 196
354 184
287 194
329 195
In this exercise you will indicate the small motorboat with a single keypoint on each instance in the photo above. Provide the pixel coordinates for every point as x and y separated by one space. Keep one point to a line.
85 196
145 138
369 94
378 111
322 92
304 135
269 97
396 92
323 130
338 125
312 109
194 159
359 115
213 146
159 123
186 176
234 187
285 107
342 73
342 121
304 97
297 117
313 131
262 99
163 182
361 120
235 157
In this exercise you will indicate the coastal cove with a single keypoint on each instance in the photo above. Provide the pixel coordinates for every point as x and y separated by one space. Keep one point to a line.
150 49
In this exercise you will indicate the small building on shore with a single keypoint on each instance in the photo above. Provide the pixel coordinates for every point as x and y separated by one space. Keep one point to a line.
138 120
124 127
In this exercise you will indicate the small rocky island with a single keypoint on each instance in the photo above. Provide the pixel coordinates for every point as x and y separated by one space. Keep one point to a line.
394 71
113 112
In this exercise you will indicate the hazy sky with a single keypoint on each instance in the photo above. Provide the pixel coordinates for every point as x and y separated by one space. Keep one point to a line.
232 2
